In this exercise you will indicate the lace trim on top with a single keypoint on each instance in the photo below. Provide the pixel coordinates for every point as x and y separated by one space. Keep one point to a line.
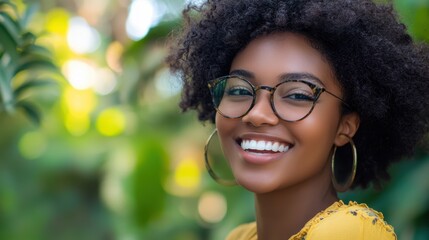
353 208
249 231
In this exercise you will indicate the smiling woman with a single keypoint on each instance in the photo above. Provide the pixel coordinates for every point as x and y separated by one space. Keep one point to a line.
306 131
297 91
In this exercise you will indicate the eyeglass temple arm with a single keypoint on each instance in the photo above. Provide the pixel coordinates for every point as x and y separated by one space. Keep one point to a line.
342 101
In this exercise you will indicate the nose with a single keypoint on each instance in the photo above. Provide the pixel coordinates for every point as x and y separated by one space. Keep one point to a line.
262 112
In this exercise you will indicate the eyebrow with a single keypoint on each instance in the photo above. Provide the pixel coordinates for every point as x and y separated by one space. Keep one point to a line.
301 76
283 77
242 73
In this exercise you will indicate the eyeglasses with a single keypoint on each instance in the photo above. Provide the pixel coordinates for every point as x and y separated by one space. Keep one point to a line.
291 100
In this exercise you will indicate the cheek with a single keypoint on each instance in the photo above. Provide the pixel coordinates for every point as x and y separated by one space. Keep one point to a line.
222 126
225 128
317 132
321 127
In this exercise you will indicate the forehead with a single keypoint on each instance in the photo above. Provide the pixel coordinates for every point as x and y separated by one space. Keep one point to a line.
274 55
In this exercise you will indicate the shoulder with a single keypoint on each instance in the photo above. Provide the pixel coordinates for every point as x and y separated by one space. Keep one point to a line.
243 232
351 221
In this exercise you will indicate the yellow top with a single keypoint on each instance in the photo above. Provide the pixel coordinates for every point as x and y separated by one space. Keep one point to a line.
338 222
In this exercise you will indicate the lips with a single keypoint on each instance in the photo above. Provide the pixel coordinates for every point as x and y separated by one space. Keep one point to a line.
263 146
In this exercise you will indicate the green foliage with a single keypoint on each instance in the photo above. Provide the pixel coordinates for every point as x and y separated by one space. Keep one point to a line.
93 186
403 200
22 61
147 179
415 14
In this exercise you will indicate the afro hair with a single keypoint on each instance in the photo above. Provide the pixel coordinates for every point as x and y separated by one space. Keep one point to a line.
383 73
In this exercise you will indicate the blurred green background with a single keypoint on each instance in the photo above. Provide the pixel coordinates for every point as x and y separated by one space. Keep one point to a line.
94 146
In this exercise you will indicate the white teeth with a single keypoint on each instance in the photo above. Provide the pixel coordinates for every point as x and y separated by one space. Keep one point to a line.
275 146
252 144
264 145
260 145
268 146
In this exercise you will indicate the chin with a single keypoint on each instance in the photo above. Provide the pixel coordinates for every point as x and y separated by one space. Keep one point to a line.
256 186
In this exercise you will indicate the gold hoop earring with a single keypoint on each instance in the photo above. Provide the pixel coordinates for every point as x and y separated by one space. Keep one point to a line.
209 167
342 187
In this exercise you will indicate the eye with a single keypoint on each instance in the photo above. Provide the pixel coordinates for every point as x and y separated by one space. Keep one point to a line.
295 91
238 91
299 97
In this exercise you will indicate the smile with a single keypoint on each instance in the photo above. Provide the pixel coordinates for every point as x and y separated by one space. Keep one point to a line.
265 146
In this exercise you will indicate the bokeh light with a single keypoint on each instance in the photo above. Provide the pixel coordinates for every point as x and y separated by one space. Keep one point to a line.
81 37
187 174
141 17
212 207
113 56
57 21
80 74
104 81
77 106
32 145
111 122
167 84
85 75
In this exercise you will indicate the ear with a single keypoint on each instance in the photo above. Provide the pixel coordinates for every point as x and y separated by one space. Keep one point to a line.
349 124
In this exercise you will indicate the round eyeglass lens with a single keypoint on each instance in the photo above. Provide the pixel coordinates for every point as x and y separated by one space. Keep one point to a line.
232 96
293 100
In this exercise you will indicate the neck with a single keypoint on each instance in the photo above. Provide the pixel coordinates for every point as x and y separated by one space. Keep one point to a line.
283 213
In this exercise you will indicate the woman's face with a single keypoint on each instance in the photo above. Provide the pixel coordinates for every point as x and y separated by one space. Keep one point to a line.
308 142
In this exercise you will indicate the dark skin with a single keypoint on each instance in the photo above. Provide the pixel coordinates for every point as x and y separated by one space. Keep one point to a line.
290 187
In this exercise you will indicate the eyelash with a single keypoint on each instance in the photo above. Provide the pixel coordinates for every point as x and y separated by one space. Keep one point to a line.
306 97
231 90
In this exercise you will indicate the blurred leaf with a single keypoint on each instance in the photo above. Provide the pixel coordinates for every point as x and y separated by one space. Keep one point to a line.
36 50
6 92
415 15
9 4
19 53
7 43
148 195
35 63
421 26
29 12
11 26
30 110
404 212
31 84
5 2
28 39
